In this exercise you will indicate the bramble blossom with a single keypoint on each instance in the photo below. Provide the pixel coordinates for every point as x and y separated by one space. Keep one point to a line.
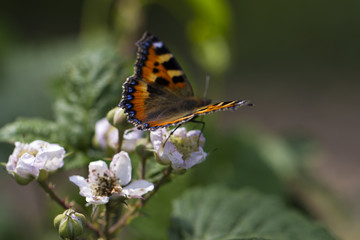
182 150
27 160
104 182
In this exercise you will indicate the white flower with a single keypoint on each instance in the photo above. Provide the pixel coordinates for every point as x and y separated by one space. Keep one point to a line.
27 160
102 182
108 136
183 149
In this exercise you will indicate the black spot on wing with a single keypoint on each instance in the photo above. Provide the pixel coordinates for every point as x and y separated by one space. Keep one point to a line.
161 50
162 81
178 79
171 64
155 70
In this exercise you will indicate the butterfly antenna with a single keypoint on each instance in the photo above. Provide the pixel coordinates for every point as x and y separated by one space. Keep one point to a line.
207 81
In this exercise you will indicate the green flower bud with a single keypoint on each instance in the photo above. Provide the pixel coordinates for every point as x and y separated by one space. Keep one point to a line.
69 224
117 118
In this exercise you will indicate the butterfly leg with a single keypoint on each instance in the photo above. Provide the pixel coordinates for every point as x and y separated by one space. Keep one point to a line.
171 133
202 128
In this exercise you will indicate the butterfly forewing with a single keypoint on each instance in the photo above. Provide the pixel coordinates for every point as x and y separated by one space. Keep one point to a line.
159 94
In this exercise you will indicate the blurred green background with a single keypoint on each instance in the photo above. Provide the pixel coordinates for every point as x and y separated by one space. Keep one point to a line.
298 62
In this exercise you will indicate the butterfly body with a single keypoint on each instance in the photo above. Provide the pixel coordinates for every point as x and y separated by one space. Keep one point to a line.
159 94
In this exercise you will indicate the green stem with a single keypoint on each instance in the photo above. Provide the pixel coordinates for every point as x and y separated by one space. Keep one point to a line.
121 138
133 211
107 221
143 168
49 189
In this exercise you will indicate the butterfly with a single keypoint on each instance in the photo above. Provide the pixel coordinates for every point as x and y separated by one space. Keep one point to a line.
159 94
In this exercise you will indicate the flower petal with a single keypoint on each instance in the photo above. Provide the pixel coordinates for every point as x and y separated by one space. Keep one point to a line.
137 188
79 181
97 169
51 158
195 158
131 136
97 200
157 137
121 167
25 166
101 127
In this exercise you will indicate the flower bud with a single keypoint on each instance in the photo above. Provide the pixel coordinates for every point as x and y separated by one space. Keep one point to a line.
117 118
69 224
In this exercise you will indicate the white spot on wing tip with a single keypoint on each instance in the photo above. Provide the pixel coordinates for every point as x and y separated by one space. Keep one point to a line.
158 44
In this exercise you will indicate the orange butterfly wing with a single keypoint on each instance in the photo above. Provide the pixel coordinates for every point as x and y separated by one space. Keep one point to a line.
159 94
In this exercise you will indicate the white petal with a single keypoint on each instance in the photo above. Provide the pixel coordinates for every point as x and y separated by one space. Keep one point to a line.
121 167
25 166
39 145
130 138
195 135
180 132
158 137
174 156
195 158
101 127
137 188
79 181
97 169
51 158
97 200
112 137
85 188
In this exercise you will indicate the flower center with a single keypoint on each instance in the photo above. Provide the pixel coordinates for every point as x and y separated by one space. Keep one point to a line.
107 185
32 152
185 145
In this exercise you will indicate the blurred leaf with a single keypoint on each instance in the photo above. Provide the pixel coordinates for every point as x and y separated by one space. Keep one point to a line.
208 30
90 88
218 213
24 129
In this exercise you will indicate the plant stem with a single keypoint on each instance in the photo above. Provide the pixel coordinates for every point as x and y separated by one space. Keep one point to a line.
49 189
131 213
143 168
161 181
107 221
121 138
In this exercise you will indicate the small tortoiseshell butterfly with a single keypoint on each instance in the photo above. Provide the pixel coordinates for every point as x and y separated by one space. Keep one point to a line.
159 94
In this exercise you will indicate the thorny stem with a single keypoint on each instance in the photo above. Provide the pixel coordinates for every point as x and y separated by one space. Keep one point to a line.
49 189
124 219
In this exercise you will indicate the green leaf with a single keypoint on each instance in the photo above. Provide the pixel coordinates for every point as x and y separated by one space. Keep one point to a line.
218 213
88 90
24 129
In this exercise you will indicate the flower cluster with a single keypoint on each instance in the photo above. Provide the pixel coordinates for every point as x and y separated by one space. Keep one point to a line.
109 182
